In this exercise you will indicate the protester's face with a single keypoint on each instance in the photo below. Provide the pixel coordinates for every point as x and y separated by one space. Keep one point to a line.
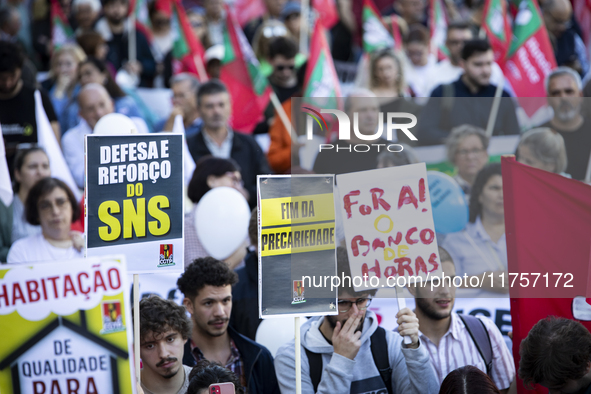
368 110
90 74
35 167
418 53
351 313
564 97
527 157
213 8
215 110
455 42
470 156
478 68
292 22
116 11
94 105
491 197
229 179
162 354
101 51
275 6
571 386
437 303
9 81
412 10
283 70
197 25
66 65
85 16
12 28
558 21
210 310
160 22
55 213
386 71
183 96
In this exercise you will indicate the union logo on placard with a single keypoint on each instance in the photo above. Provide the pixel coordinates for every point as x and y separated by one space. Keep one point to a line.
166 256
112 317
298 292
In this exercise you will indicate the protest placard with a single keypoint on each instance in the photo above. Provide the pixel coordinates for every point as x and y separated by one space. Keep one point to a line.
296 228
134 200
66 327
388 223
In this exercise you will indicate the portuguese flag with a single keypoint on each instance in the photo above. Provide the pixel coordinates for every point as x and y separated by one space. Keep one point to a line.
497 27
530 57
240 72
438 27
61 31
375 34
327 12
187 51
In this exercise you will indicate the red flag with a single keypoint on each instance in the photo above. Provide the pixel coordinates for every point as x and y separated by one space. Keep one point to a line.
61 32
187 51
497 26
582 11
247 10
327 12
396 33
548 229
241 73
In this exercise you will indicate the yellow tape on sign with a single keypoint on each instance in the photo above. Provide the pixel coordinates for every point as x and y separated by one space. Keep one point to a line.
294 210
297 239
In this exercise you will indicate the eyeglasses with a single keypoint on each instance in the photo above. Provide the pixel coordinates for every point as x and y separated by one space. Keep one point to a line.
46 205
282 67
362 304
466 152
237 180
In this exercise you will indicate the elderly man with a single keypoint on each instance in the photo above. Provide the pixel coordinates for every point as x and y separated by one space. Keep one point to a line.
94 103
86 13
184 102
564 91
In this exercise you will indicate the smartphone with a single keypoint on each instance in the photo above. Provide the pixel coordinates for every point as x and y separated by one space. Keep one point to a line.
222 388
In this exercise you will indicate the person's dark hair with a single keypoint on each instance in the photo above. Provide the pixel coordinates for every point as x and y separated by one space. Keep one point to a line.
19 162
253 232
112 87
158 315
11 57
106 2
481 179
205 167
213 86
205 373
417 33
284 46
555 350
343 270
458 25
42 188
467 380
475 47
203 272
5 15
89 42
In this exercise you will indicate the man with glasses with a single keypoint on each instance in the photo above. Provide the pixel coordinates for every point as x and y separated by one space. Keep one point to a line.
340 354
448 339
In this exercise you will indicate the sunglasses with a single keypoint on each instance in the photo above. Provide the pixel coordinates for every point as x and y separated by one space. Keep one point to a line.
282 67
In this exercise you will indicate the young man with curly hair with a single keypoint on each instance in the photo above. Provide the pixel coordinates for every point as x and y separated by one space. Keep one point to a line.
207 287
164 329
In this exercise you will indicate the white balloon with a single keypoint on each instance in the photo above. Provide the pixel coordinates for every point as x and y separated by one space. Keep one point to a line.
115 124
221 220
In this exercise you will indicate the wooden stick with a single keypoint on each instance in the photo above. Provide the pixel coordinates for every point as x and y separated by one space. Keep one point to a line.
136 326
200 69
284 118
304 19
494 110
298 356
132 45
402 305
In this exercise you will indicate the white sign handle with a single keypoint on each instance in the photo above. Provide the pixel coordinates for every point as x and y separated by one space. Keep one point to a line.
136 326
401 305
298 355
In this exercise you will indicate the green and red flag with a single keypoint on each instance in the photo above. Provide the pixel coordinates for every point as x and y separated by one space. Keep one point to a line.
61 31
375 34
438 27
530 57
248 87
327 12
187 51
497 27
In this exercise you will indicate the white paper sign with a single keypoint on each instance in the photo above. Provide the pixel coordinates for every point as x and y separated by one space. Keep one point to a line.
388 223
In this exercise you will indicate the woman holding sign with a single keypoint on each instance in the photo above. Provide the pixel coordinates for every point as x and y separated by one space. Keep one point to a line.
481 247
52 205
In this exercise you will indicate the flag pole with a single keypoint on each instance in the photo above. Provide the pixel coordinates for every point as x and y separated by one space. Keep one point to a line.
200 68
492 118
304 22
283 116
298 356
132 45
136 327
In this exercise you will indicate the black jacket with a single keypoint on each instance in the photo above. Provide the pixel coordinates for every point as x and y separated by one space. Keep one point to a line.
257 361
245 301
245 151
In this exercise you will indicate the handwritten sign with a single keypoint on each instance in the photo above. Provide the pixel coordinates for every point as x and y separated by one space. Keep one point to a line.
388 223
134 200
66 327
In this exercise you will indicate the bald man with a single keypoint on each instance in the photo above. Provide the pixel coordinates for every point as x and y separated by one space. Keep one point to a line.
94 102
564 34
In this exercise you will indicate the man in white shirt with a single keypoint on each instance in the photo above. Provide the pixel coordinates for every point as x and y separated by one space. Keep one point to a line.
94 102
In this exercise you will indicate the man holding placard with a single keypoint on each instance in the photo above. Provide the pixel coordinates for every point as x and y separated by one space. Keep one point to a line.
350 353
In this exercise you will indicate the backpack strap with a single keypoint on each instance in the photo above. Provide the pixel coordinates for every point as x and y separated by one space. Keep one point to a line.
315 362
379 351
479 335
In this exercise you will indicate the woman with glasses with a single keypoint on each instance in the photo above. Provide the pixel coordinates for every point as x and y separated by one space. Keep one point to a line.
481 247
210 172
467 150
52 205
